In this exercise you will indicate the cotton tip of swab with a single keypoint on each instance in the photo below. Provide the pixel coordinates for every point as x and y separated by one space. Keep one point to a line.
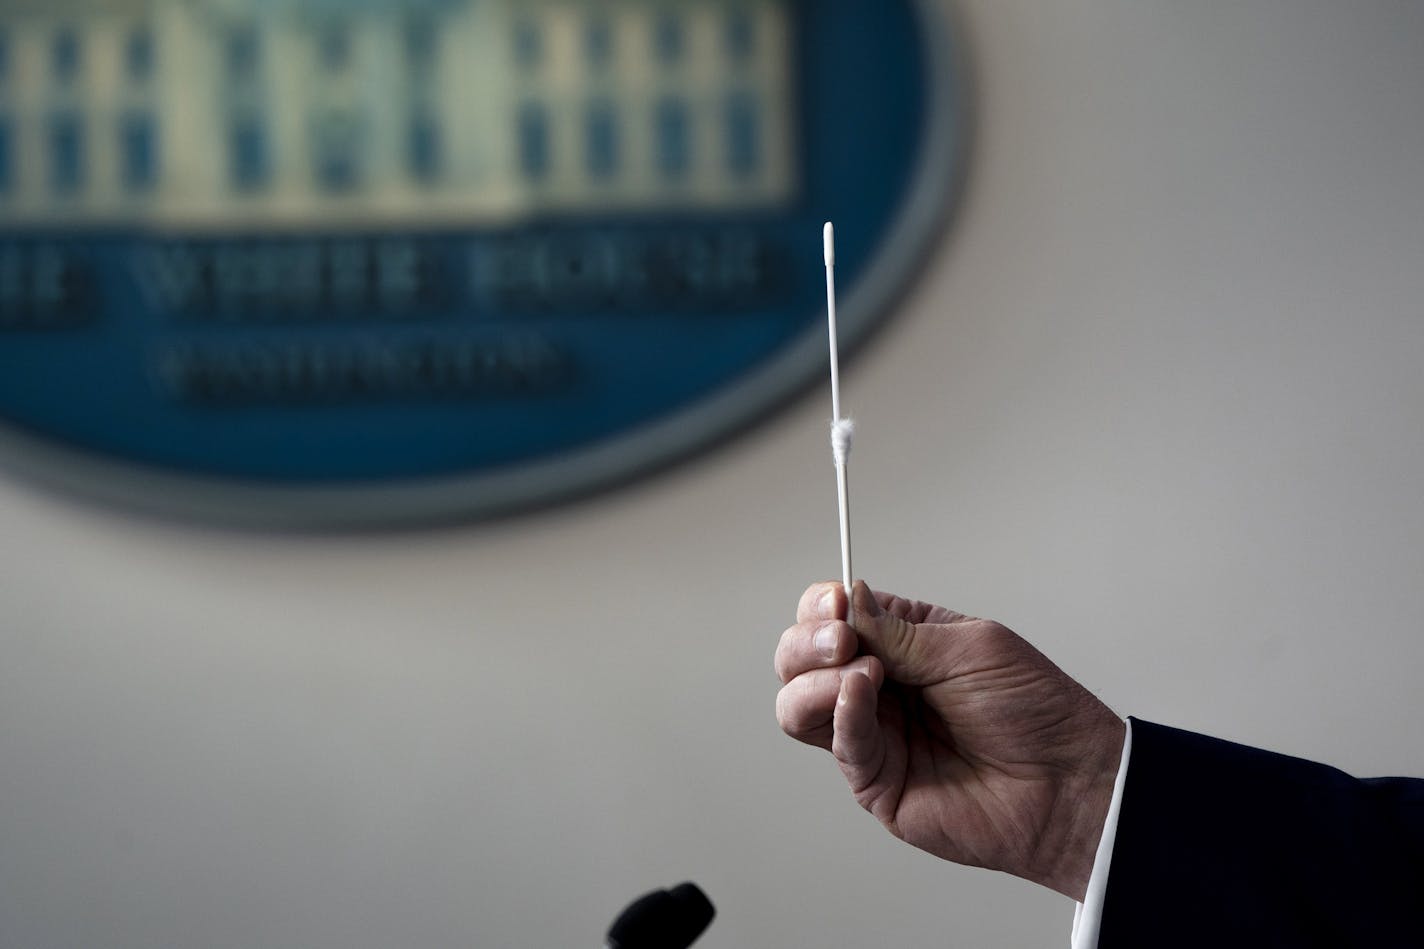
828 237
842 434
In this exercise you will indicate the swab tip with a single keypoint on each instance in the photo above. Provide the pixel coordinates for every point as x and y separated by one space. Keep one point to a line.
842 436
828 236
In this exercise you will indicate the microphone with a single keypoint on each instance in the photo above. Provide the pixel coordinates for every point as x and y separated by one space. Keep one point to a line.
662 919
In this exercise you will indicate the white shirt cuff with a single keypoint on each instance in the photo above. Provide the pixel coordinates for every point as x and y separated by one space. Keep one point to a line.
1088 915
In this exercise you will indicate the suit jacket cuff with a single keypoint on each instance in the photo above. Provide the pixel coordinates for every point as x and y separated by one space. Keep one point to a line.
1223 845
1087 915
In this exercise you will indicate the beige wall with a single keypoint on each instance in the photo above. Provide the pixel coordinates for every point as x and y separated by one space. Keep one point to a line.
1157 403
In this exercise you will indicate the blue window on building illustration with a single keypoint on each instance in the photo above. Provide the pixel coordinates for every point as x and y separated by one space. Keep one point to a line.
337 169
743 134
534 157
423 148
598 41
336 150
243 49
138 55
249 161
420 41
334 47
740 35
668 39
138 151
6 158
601 140
66 153
672 137
528 43
64 55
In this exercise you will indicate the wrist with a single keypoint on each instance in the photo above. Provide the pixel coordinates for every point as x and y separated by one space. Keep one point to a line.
1069 845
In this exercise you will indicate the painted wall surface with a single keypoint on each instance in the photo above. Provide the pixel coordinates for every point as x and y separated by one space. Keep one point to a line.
1156 403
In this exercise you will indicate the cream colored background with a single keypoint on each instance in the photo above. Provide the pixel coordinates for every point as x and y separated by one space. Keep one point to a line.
1156 403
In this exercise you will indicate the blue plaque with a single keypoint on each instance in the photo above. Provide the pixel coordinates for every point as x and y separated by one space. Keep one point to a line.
369 262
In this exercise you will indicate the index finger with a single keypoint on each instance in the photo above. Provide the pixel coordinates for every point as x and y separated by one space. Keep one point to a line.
821 601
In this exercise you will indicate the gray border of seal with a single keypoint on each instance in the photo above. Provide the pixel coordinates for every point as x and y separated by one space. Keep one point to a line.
937 183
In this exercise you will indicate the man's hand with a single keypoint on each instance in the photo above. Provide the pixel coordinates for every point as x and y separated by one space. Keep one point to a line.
956 734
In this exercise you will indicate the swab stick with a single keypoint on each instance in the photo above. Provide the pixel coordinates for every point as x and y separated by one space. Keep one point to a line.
842 429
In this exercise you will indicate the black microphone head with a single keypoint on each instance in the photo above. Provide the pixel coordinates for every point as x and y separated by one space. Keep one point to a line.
663 919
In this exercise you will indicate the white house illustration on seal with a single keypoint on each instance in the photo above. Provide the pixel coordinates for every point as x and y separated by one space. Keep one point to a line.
282 114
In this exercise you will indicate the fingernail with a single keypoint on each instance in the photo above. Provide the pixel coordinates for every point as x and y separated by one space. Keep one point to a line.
844 697
826 641
826 605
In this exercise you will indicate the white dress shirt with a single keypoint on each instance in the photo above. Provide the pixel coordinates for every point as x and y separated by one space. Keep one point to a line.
1088 915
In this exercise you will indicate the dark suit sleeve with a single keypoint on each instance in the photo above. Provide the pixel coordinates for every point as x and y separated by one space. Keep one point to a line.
1223 845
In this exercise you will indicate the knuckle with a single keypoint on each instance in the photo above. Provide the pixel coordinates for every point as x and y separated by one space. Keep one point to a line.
791 653
780 661
789 713
989 627
808 601
782 717
998 635
811 606
794 711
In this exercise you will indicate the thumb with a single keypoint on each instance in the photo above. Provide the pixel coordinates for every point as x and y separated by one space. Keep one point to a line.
859 743
912 653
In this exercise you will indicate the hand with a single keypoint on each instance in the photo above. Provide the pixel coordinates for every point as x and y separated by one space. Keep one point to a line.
955 733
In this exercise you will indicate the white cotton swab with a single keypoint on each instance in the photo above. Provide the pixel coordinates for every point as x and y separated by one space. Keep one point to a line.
842 429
